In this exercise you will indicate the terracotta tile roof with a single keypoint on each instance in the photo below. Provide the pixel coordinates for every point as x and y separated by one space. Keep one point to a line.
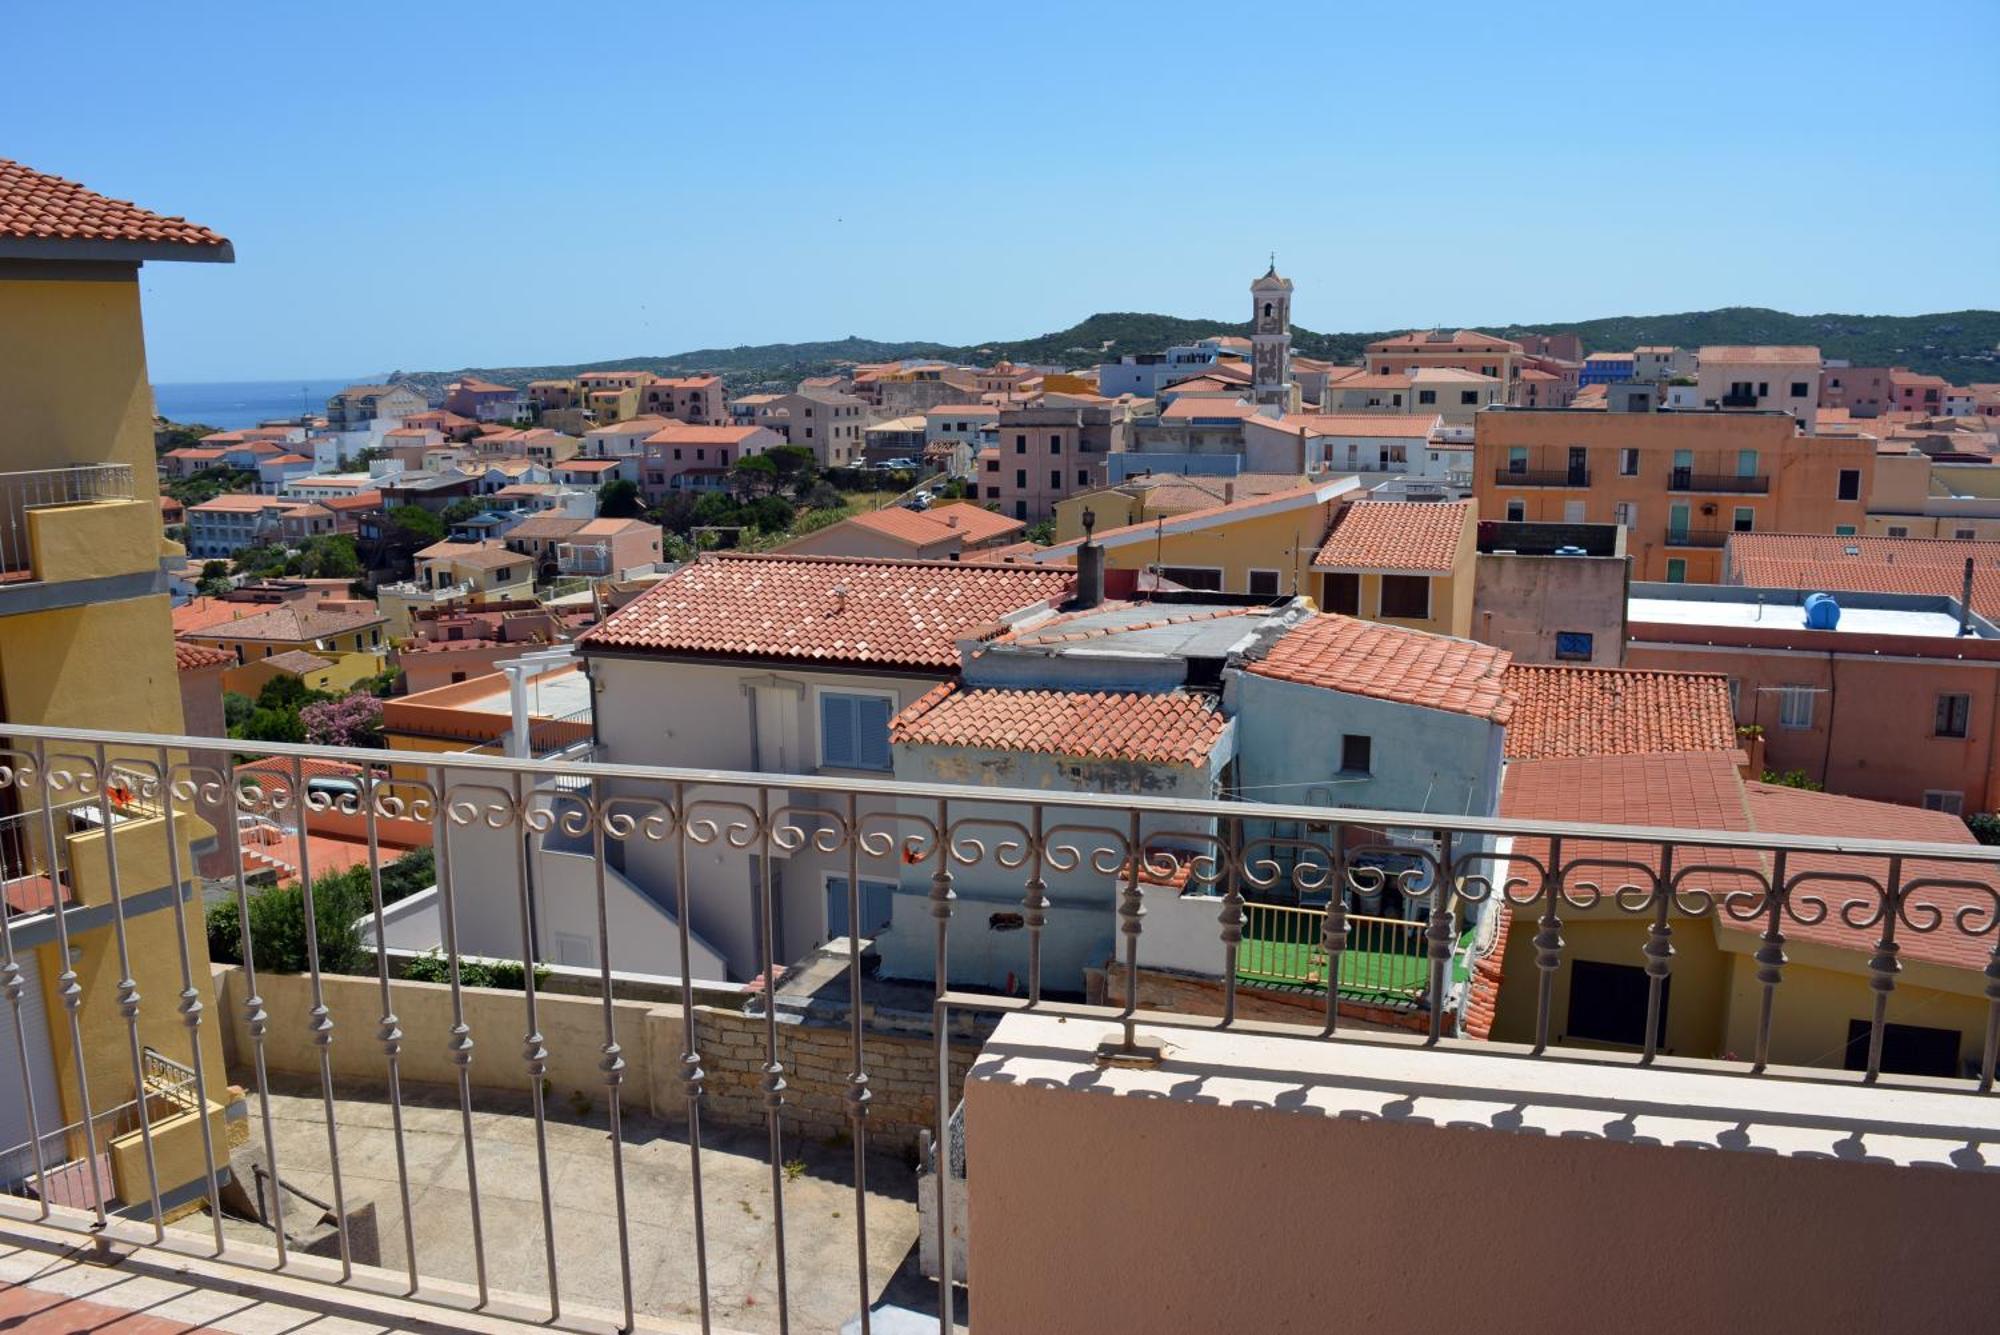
1770 354
1185 409
683 433
360 500
311 767
35 206
920 528
1591 711
1428 340
1168 729
1482 1002
544 526
1698 790
1410 667
1056 629
1781 810
897 614
191 657
290 623
199 613
1401 426
297 661
1397 535
1878 565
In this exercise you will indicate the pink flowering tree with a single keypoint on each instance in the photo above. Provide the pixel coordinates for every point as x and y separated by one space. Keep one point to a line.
352 720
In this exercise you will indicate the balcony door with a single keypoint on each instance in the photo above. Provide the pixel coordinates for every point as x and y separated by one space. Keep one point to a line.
1579 459
1677 522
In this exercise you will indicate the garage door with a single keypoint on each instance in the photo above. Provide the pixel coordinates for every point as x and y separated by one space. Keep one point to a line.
17 1159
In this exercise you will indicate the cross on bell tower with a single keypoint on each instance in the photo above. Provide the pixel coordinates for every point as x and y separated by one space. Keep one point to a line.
1271 340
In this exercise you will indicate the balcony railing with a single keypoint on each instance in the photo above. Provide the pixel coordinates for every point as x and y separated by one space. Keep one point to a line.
1542 477
1738 400
1697 537
1745 484
42 488
970 865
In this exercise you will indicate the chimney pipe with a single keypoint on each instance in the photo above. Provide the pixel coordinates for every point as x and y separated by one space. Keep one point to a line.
1965 601
1089 566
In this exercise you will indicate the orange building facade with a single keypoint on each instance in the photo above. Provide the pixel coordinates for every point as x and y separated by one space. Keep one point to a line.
1680 483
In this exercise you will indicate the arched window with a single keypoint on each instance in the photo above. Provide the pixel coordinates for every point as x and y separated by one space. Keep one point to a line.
1267 310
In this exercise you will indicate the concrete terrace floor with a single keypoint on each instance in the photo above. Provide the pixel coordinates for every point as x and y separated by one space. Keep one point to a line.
736 1184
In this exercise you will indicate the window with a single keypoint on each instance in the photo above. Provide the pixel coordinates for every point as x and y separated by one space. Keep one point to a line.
1020 509
1735 698
1607 1003
1517 459
992 465
1575 646
1355 753
1763 388
1342 594
1406 596
1954 714
1628 463
1795 706
1083 477
1746 463
1677 571
1962 534
1944 799
1263 583
1427 396
1850 484
1626 513
1055 444
1468 396
878 906
854 730
1744 518
1021 479
1843 530
1899 531
1207 578
1799 390
1907 1049
1020 444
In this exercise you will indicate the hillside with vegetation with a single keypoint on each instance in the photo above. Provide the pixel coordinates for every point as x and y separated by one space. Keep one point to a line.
1959 345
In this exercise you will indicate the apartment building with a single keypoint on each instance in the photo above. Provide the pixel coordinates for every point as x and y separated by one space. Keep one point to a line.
681 457
1680 482
482 400
1915 392
829 424
93 908
1864 391
1047 454
695 399
233 521
355 407
1760 378
1465 350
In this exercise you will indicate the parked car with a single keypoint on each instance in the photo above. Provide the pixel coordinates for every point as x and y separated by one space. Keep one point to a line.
920 500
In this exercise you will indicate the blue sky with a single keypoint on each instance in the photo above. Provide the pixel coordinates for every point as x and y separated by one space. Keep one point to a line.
425 186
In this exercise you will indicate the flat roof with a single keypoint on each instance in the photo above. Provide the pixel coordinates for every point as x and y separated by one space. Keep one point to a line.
1790 616
559 693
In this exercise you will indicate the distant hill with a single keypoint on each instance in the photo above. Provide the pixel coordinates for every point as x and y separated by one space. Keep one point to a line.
1959 345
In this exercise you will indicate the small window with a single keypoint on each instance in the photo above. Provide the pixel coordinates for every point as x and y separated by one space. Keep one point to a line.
1021 479
1677 570
1020 444
1263 583
993 493
1468 396
1899 531
1744 519
1946 800
992 465
1356 753
854 730
1799 389
1020 509
1427 396
1575 646
1628 463
1962 534
1954 714
1406 596
1843 530
1517 512
1608 1003
1083 477
1194 577
1342 594
1850 484
1795 707
1055 444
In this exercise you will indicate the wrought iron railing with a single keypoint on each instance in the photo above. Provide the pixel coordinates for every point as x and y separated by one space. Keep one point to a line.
42 488
1385 959
1745 484
1541 477
971 859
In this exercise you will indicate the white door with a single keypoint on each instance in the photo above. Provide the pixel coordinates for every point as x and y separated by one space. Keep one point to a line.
14 1133
1572 512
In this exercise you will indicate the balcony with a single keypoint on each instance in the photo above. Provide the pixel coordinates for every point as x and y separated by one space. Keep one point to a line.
1542 477
1738 401
1735 484
72 523
583 559
1698 537
1283 1008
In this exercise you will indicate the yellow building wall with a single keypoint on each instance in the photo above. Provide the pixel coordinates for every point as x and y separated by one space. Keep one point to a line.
101 665
1696 1002
1823 990
1283 542
73 378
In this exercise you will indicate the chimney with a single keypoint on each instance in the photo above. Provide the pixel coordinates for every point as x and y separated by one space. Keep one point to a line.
1228 493
1965 601
1089 566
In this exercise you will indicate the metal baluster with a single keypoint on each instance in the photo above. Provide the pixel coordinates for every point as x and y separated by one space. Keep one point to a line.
1131 908
460 1045
1659 952
390 1030
691 1072
612 1063
1231 917
1992 1049
1035 903
322 1019
857 1080
1548 945
1442 934
128 993
190 998
773 1083
1883 966
941 897
256 1019
1333 931
1770 959
533 1050
16 988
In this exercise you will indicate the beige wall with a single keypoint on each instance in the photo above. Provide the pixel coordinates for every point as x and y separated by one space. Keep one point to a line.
1272 1184
1520 602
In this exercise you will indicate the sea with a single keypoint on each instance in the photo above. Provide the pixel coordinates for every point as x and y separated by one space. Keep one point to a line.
233 404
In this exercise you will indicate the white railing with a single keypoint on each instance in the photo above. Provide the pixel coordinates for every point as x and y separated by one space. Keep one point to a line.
41 488
1022 879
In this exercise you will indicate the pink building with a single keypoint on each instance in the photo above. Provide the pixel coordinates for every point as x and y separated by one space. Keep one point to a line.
1865 391
696 399
680 457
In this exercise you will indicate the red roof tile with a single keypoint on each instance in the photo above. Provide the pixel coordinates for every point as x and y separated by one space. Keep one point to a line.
1410 667
1877 565
1698 790
1398 536
1482 1002
919 528
190 657
1587 711
35 206
1168 729
908 614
